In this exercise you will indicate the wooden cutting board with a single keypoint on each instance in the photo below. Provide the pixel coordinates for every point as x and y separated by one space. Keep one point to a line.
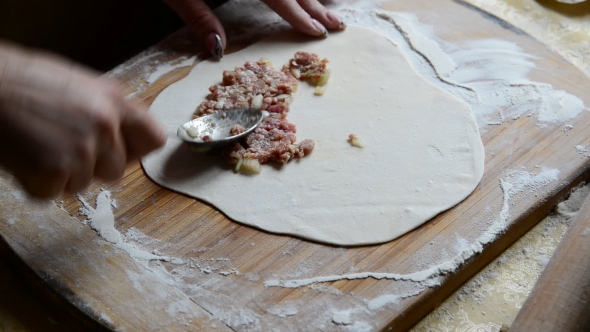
219 284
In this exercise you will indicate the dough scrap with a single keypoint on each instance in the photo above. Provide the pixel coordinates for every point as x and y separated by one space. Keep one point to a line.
423 150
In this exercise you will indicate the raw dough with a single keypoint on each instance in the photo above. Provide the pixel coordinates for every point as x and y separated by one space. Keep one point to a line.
423 150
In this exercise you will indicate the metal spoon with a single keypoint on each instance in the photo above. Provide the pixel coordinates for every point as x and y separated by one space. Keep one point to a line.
215 129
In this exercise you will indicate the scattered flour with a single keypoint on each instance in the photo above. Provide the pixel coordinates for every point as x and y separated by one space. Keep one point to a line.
489 74
102 220
103 317
326 289
341 317
514 183
165 68
383 300
283 310
359 326
543 260
563 31
526 182
496 294
583 150
143 59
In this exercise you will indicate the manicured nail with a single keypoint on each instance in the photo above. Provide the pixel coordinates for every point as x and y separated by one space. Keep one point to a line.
319 27
336 20
213 45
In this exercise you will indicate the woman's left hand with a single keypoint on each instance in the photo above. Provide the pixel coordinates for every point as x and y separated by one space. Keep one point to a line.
307 16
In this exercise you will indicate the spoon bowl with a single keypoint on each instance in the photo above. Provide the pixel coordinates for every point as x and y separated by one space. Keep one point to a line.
220 128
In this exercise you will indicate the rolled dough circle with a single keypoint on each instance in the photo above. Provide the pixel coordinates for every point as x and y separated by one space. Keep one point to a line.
423 152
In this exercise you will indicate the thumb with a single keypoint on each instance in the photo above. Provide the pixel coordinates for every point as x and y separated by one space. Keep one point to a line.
202 22
141 132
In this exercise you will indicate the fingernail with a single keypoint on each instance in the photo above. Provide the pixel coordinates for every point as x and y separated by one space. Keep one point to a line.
213 45
319 27
336 20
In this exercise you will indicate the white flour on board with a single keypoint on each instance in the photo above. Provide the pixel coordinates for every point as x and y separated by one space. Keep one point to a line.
284 310
383 300
564 33
489 74
510 277
165 68
143 59
102 220
149 66
583 150
515 182
181 272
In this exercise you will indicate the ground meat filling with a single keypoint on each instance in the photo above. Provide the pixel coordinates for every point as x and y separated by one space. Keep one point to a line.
274 140
259 85
236 130
255 83
308 66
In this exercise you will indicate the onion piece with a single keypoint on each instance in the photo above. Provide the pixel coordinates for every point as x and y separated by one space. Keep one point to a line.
296 72
193 131
238 165
251 165
324 78
256 102
286 97
356 141
264 61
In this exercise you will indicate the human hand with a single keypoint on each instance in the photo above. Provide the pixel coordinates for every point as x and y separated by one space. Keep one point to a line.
307 16
61 124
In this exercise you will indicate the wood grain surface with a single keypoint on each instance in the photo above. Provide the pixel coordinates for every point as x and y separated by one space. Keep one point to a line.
105 285
560 301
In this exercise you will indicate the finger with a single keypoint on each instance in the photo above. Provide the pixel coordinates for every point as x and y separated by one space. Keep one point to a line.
292 12
317 11
111 160
141 133
202 22
110 164
83 165
42 184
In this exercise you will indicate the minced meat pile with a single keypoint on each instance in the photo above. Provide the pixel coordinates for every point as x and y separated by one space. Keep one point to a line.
259 85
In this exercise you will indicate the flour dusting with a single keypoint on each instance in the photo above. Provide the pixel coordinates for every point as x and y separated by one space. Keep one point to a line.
283 310
166 68
514 183
102 220
498 292
532 182
342 317
383 300
583 150
359 326
489 74
223 308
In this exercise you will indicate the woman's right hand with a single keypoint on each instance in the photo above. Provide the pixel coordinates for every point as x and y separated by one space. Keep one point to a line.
62 125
